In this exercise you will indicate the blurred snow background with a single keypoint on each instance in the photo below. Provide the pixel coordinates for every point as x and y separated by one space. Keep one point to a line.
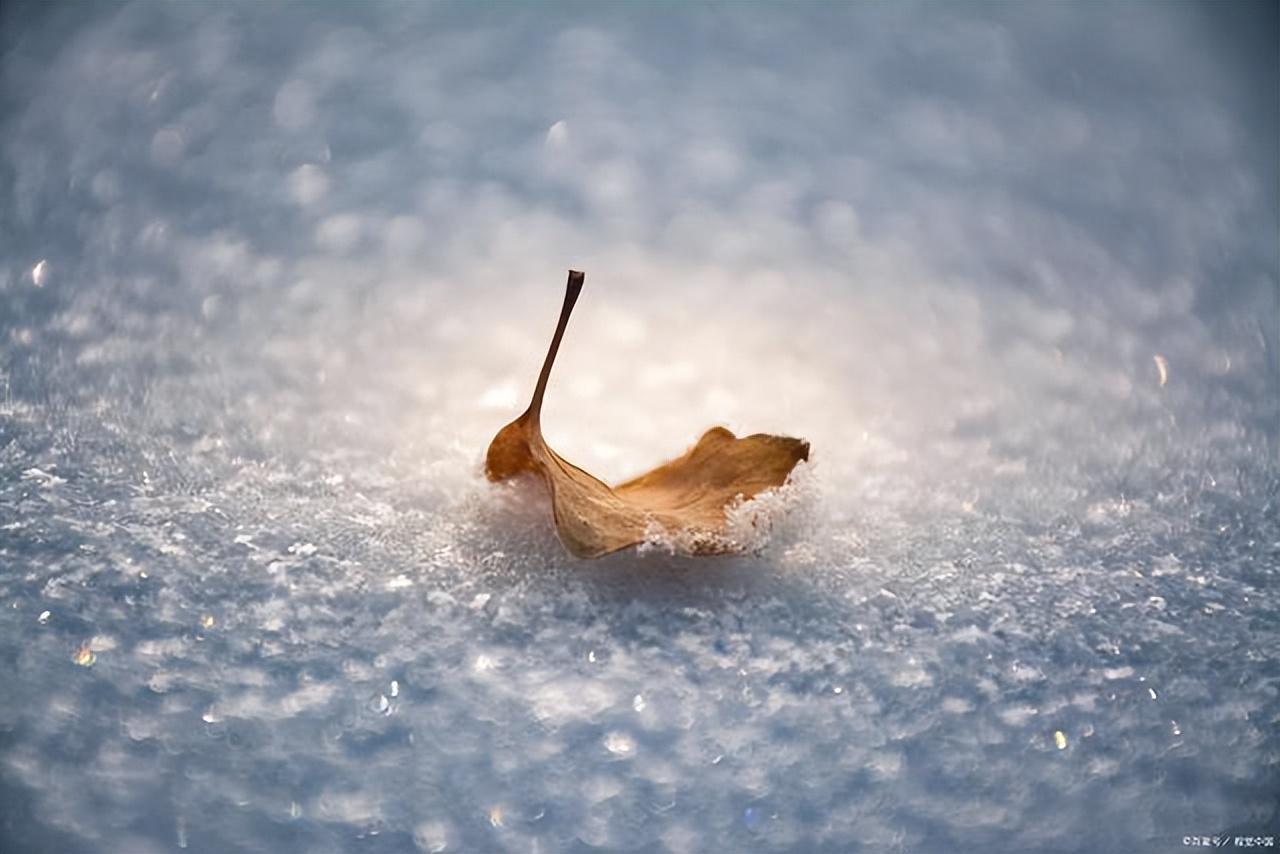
272 275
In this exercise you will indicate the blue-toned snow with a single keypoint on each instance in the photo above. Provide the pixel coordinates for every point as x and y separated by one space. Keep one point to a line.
271 276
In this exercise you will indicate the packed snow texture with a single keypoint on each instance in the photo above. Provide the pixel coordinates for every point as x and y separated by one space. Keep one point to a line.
272 275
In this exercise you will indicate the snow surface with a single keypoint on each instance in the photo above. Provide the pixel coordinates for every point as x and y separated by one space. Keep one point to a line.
271 277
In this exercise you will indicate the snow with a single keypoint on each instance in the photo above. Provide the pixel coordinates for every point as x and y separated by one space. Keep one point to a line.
272 277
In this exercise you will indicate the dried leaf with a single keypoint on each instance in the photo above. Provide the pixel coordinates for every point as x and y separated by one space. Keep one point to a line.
686 496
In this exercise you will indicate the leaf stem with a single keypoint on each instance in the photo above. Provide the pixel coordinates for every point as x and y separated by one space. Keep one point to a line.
572 288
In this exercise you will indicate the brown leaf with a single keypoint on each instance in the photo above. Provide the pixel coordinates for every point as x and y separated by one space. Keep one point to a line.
686 497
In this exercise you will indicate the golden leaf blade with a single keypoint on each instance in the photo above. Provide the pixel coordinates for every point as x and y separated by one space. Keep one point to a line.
687 495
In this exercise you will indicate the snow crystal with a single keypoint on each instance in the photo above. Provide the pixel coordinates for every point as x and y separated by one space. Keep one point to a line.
273 278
